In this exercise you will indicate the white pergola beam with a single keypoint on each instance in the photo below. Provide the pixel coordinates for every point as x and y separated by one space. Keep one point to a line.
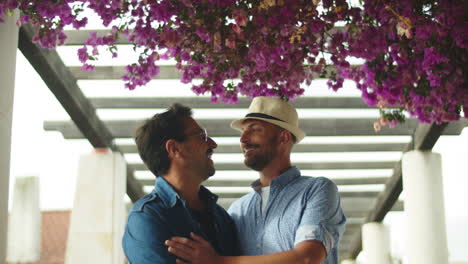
303 147
24 229
376 243
424 138
98 215
305 102
221 127
338 165
8 44
424 208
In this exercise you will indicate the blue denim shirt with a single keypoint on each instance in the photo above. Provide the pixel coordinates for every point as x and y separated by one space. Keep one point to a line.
299 208
161 215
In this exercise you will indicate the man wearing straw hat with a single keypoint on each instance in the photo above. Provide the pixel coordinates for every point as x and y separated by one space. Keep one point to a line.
288 218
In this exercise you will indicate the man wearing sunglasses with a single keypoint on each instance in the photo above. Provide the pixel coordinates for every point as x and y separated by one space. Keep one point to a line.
178 152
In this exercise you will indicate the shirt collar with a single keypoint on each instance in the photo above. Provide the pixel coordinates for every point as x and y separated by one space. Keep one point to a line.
207 196
165 191
280 181
169 196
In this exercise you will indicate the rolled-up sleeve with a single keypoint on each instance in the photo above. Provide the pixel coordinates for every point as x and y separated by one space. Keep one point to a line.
323 219
143 240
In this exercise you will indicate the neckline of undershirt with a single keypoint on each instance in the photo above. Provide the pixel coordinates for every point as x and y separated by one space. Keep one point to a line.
265 195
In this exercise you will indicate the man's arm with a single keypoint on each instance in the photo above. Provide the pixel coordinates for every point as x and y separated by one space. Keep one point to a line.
199 251
143 240
323 218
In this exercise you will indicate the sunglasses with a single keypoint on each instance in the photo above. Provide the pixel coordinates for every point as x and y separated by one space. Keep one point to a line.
203 135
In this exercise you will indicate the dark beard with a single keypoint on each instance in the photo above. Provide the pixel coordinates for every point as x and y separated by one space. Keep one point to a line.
261 160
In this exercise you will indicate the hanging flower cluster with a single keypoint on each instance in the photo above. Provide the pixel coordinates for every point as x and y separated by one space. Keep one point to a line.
413 52
49 17
415 56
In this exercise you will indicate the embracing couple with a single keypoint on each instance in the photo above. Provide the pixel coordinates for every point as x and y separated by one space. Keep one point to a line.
287 218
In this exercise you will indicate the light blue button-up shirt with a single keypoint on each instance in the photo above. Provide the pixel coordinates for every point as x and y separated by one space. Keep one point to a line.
298 209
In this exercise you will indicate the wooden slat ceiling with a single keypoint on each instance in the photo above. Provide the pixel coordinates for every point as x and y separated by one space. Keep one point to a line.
355 165
202 102
304 147
221 127
360 204
166 72
216 182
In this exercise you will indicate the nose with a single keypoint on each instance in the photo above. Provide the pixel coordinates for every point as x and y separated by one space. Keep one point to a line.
212 143
244 137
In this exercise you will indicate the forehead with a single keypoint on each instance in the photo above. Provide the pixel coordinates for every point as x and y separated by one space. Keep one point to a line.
191 125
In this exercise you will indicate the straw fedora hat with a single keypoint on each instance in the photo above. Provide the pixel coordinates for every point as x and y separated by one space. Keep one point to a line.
275 111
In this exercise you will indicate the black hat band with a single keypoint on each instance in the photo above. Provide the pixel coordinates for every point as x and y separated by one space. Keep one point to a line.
263 116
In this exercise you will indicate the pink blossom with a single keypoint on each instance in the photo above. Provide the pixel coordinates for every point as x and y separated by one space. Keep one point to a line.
203 34
236 28
377 126
383 121
83 54
217 41
393 123
240 17
87 67
230 42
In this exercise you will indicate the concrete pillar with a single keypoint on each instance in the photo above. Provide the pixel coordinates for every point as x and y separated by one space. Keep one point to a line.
348 261
24 229
98 215
8 44
376 243
424 208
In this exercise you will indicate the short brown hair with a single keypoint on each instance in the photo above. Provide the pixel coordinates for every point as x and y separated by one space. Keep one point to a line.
152 136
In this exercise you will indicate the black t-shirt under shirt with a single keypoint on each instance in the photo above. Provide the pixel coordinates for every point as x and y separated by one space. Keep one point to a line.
207 225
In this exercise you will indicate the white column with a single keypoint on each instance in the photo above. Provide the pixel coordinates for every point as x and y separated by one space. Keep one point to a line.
98 215
24 228
348 261
424 208
8 44
376 243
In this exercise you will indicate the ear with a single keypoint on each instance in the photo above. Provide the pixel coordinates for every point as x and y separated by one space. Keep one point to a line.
285 137
172 148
